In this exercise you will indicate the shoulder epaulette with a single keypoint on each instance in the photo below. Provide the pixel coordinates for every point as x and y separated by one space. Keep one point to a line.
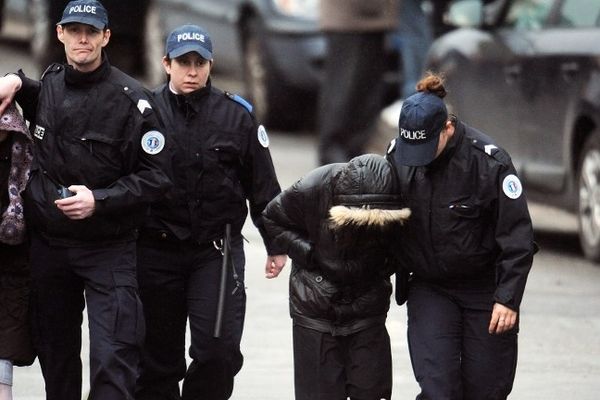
239 99
139 98
52 68
491 150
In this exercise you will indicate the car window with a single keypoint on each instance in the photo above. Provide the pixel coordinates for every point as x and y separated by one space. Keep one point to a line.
580 14
529 14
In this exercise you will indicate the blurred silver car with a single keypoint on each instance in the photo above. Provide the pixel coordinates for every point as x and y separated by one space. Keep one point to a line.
528 73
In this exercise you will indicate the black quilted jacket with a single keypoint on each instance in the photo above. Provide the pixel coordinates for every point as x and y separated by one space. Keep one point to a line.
337 224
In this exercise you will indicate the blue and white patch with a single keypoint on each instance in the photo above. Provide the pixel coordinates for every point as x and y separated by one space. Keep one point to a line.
391 146
263 138
153 142
39 132
511 186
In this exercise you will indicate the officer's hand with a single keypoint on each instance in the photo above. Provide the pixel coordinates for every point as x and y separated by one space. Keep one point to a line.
79 206
503 319
9 85
274 265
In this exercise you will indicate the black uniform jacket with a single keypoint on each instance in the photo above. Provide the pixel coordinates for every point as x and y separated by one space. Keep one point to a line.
221 161
87 130
339 284
470 223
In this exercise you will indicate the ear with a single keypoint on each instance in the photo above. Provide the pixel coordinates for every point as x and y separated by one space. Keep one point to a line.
166 65
105 37
60 33
449 129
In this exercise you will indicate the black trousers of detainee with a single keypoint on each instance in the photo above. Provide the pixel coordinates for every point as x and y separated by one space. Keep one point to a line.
358 366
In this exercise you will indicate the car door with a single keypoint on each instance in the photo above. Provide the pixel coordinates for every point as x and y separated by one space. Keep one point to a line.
553 74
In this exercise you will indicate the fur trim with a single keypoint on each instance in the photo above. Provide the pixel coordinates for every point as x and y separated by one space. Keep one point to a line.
376 217
12 225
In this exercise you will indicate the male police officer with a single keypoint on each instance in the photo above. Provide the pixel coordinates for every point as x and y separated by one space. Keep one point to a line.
97 143
222 161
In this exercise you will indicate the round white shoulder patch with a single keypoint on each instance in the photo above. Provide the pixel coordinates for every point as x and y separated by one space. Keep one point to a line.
511 186
263 138
153 142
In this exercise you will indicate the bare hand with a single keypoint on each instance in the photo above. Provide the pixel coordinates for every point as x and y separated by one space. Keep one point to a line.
274 265
9 85
503 319
79 206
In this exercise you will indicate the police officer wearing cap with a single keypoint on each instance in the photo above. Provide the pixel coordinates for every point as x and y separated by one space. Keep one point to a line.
221 162
469 247
100 158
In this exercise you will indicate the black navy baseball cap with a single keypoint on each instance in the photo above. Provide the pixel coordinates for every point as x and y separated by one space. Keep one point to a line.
422 119
89 12
188 38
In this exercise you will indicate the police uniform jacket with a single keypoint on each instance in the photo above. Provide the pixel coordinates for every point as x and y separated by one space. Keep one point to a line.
339 283
470 224
88 130
222 161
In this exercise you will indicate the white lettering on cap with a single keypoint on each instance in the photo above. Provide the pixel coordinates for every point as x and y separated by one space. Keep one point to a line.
82 9
191 36
413 135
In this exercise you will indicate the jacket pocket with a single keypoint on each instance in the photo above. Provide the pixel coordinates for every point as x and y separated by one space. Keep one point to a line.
128 325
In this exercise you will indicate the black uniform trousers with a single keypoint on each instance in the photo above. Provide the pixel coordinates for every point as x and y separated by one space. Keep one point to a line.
351 95
180 280
453 355
329 367
105 275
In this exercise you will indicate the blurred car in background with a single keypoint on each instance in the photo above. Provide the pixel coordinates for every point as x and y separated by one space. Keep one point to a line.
528 73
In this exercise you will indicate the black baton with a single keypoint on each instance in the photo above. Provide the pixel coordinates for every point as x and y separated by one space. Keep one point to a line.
223 282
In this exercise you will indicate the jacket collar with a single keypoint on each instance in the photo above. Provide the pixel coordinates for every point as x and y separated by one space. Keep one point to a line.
77 78
192 100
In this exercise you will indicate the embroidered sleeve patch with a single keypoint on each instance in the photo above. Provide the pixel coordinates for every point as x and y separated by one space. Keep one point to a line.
153 142
511 186
263 138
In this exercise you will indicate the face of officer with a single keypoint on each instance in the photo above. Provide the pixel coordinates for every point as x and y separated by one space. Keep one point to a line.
188 72
445 136
83 45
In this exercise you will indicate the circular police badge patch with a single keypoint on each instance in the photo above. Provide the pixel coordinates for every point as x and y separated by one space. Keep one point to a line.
153 142
511 186
263 138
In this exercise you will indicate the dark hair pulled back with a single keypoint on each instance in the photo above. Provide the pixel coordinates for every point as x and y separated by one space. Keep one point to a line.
432 83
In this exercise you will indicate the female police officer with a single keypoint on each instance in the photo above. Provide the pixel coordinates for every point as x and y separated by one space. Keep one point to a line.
469 245
221 161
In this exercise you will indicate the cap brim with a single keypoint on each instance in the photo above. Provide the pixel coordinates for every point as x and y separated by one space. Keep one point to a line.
415 155
207 55
77 19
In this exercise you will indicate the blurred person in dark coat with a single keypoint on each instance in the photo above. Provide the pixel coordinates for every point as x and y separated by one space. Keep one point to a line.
351 94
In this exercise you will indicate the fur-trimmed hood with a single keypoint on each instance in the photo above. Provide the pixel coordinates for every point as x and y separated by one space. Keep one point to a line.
12 225
365 194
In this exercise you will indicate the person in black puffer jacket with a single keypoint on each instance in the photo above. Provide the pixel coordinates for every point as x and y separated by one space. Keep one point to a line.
336 224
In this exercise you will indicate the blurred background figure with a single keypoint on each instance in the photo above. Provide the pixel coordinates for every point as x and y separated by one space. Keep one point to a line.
352 90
